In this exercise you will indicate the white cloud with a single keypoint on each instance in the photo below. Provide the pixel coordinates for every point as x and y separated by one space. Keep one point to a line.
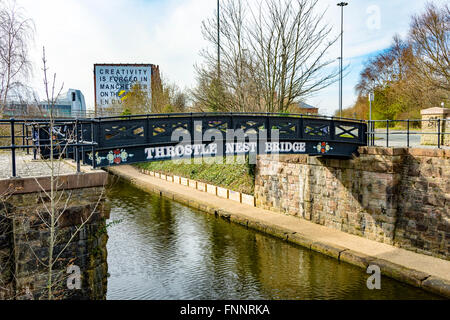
79 33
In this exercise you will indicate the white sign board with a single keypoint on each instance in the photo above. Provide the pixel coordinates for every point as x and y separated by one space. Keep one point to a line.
114 82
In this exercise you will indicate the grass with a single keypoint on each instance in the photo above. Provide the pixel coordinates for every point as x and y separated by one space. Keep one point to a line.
237 176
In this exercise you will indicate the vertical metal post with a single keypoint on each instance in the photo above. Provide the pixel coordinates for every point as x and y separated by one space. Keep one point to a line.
13 150
373 133
82 141
439 133
23 134
407 132
77 154
387 133
27 139
342 5
35 147
94 163
218 40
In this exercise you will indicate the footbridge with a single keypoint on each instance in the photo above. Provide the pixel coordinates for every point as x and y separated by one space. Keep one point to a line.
110 141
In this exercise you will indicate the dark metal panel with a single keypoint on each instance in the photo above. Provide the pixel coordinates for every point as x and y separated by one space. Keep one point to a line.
316 129
125 132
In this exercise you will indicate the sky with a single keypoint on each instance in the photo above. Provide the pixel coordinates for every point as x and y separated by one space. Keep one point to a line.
77 34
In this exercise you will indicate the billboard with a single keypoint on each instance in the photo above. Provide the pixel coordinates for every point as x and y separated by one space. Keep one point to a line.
113 82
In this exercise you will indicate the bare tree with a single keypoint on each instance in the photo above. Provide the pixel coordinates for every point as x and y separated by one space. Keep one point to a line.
16 33
290 42
430 35
58 199
235 89
273 55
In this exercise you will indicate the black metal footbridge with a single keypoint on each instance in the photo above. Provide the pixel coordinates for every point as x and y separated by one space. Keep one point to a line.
109 141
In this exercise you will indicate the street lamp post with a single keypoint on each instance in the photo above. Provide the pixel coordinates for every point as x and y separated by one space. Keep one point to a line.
341 62
218 40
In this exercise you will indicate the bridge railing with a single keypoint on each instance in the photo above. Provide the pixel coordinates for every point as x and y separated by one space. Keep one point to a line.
33 134
79 137
409 133
145 129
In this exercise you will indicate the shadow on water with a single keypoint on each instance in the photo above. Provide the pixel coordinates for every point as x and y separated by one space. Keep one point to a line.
164 250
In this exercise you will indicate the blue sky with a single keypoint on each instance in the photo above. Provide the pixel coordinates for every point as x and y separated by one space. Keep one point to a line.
79 33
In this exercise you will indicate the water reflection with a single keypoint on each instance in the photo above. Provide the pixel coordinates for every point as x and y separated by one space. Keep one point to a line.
164 250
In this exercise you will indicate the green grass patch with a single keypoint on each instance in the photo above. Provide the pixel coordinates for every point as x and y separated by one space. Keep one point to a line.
236 176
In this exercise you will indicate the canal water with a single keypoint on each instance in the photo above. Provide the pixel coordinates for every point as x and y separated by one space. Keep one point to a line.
160 249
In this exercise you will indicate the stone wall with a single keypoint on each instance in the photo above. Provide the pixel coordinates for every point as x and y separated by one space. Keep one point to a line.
25 238
392 195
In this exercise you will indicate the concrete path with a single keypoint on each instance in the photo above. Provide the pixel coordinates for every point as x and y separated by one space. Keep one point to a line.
27 167
433 274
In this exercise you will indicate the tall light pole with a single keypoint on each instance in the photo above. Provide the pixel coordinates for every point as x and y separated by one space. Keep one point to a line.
218 40
341 59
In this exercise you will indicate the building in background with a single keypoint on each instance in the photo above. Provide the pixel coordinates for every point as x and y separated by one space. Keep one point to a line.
113 82
303 108
70 104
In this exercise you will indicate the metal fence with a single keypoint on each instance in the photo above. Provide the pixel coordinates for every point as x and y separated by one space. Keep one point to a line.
77 137
20 134
409 133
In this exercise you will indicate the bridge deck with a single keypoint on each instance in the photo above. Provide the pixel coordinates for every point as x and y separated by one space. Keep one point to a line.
27 167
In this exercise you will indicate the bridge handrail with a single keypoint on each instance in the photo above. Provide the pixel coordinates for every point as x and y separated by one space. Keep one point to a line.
206 114
184 114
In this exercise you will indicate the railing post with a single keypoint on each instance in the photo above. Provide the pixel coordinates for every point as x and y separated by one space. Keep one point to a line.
77 155
407 132
13 150
439 133
35 143
301 127
27 139
372 132
94 163
82 142
387 133
332 130
148 130
23 135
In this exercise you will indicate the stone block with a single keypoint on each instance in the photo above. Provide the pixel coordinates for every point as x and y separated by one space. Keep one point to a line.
248 199
222 192
234 196
184 181
201 186
327 249
211 189
192 184
437 285
410 276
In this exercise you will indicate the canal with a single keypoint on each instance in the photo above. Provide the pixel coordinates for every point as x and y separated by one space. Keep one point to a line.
160 249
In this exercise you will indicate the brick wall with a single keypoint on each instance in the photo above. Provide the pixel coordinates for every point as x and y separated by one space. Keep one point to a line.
24 244
391 195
